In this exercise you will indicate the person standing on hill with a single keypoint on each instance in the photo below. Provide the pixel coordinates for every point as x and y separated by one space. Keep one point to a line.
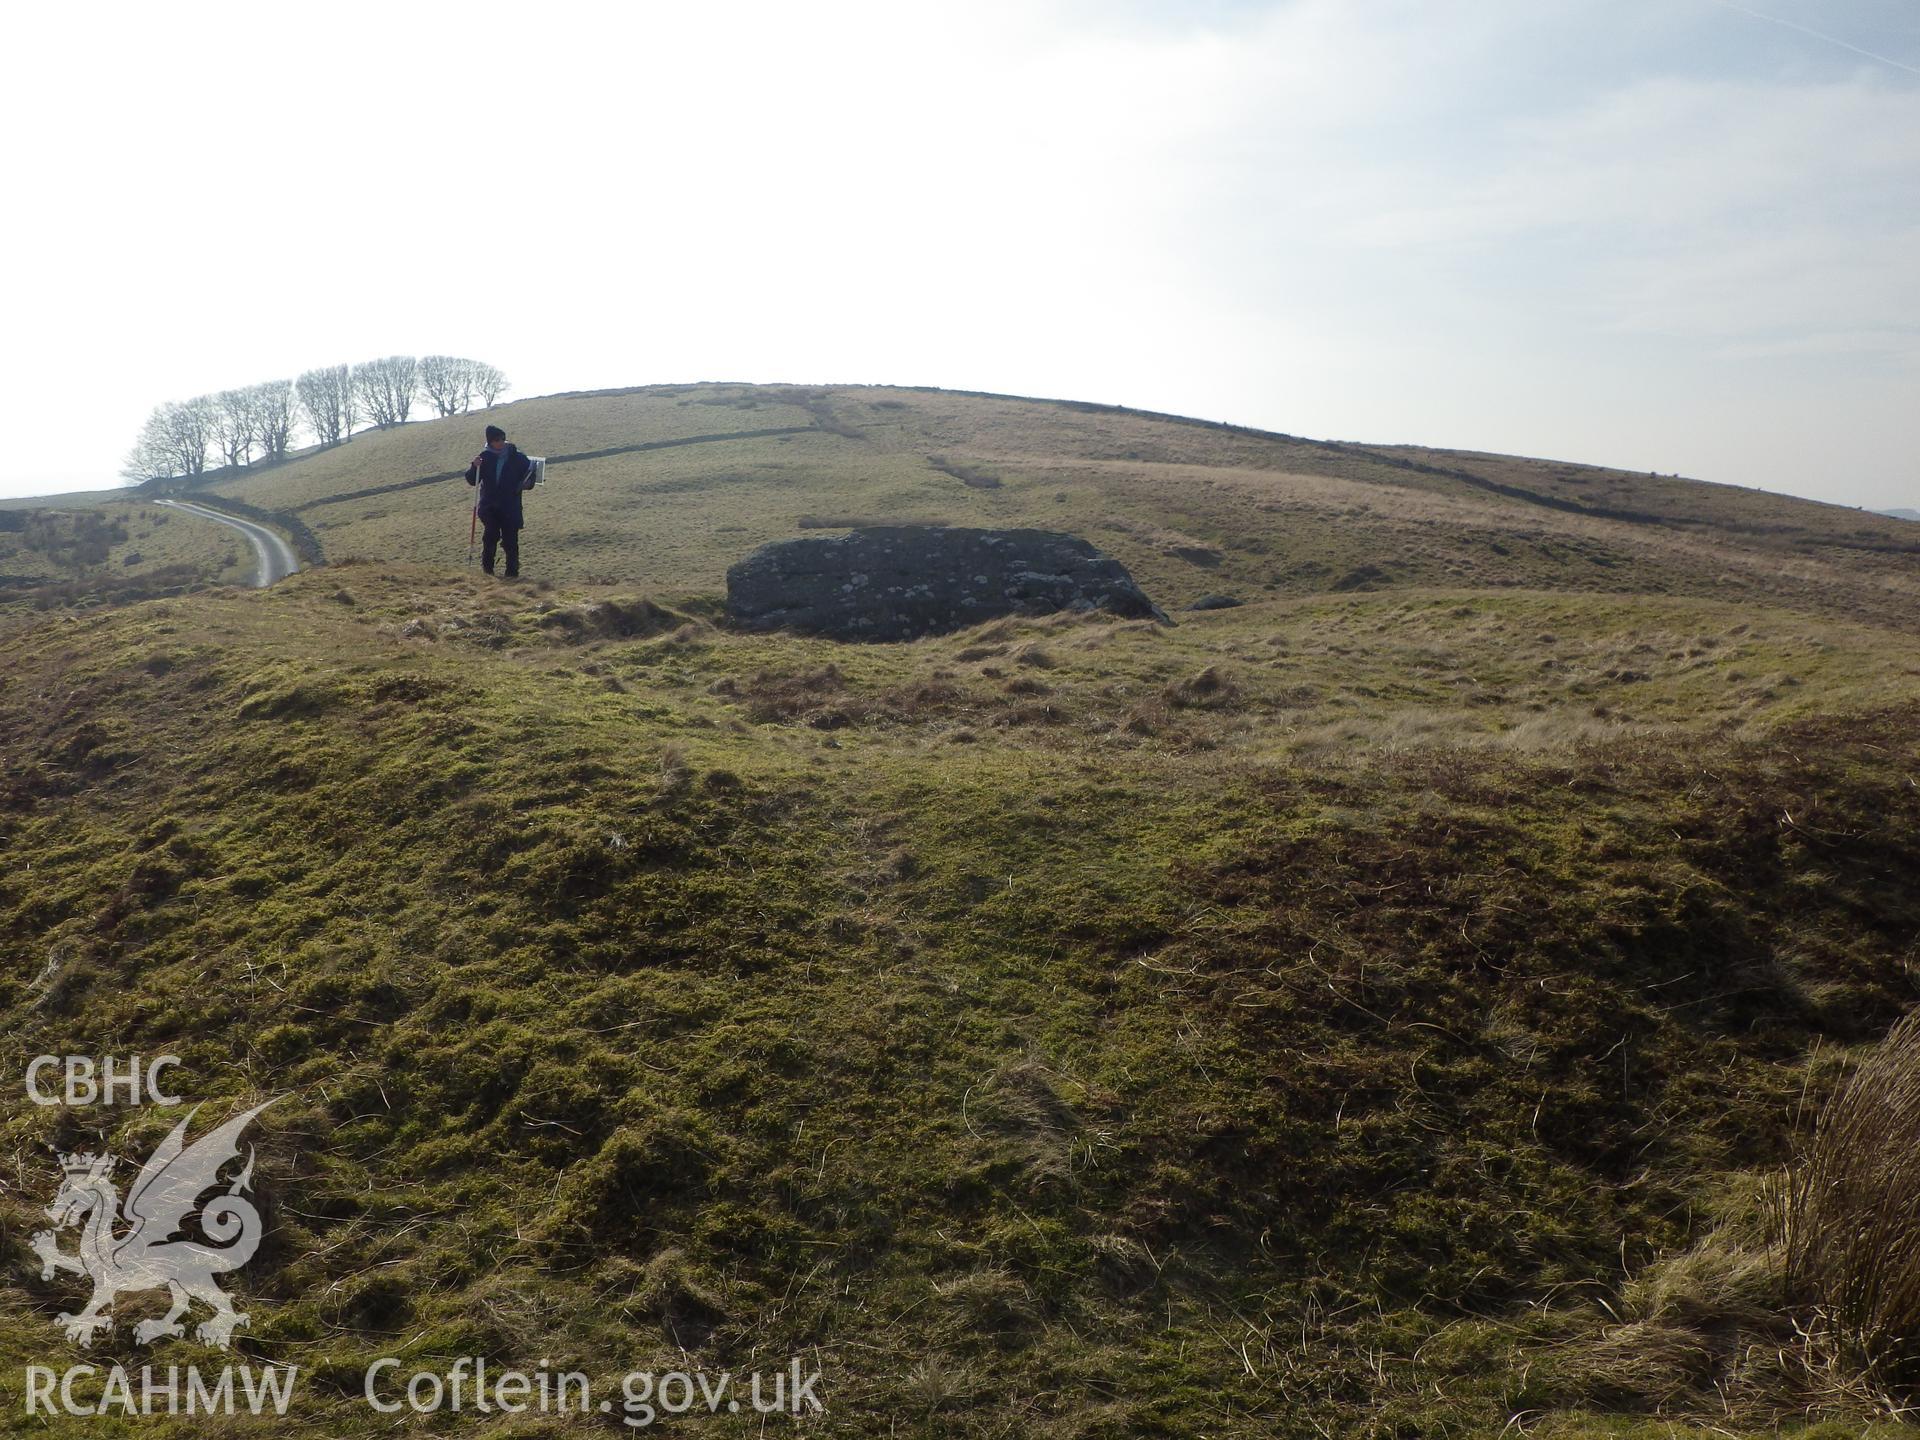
501 472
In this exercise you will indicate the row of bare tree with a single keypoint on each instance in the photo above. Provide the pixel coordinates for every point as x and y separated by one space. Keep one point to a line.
258 422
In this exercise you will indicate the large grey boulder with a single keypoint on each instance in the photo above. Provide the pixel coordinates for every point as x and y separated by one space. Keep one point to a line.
899 582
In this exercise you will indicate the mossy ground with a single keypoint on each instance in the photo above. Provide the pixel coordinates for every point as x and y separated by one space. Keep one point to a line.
1347 1013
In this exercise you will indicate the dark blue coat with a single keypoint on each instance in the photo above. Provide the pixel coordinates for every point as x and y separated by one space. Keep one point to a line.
501 477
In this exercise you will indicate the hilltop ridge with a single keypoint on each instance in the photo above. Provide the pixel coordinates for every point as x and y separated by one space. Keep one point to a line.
666 485
669 483
1377 1008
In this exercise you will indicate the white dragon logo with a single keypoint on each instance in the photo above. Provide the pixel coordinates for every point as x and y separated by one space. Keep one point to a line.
150 1252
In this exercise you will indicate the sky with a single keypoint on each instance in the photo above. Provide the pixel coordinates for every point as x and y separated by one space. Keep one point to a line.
1672 235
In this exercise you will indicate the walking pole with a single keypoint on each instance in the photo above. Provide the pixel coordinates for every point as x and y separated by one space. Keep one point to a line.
473 519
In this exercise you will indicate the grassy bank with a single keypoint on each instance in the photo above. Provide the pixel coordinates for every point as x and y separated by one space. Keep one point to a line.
1357 1012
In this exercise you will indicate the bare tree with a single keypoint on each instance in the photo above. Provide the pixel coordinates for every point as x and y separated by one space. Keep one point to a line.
367 391
350 409
386 388
332 400
273 412
468 369
152 456
443 380
326 397
174 441
234 425
402 385
488 383
189 431
452 383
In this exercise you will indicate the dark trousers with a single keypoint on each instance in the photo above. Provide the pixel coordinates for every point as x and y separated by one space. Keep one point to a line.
500 535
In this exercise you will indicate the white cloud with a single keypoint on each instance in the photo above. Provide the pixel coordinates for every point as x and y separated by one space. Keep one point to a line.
1455 222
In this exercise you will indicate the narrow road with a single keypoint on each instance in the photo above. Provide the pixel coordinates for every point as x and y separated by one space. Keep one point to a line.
273 557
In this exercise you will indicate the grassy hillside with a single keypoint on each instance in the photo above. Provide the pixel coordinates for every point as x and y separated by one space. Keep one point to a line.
65 553
1190 508
1375 1009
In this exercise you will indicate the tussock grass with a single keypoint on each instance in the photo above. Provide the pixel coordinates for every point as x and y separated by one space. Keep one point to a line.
1849 1215
1210 689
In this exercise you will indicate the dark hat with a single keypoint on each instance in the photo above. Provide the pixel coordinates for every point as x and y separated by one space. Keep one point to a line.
494 432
